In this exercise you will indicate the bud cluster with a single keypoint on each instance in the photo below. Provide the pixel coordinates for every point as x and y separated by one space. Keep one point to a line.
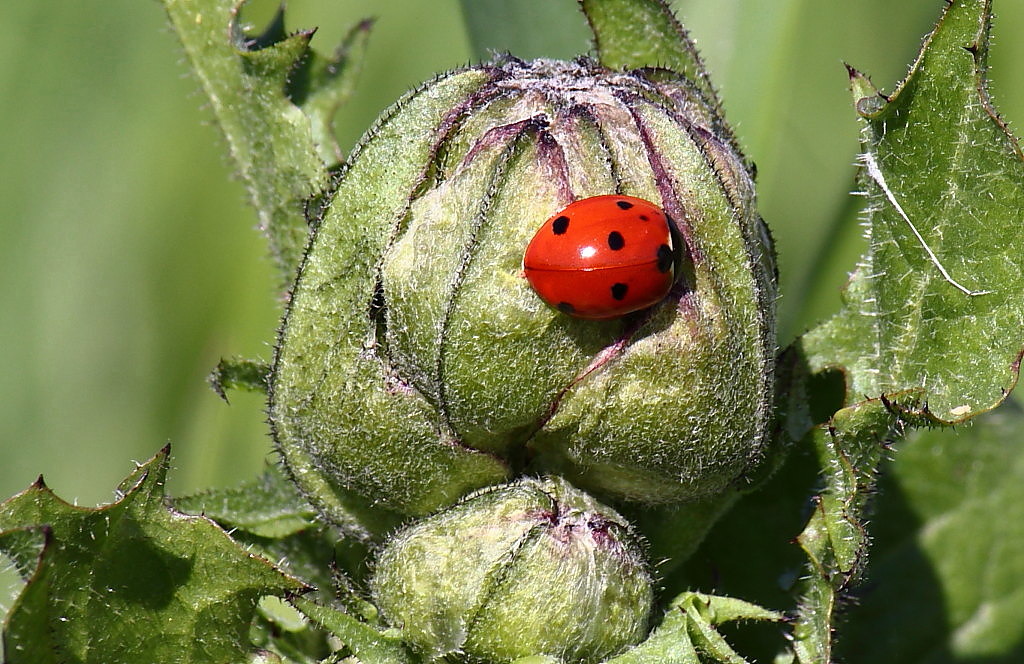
417 364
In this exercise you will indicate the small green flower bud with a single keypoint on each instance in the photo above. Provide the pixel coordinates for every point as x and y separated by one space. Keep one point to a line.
416 363
535 567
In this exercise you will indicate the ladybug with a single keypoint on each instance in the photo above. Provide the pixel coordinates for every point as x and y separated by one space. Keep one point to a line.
602 257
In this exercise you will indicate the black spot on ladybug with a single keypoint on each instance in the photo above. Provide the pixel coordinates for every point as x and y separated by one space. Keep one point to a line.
619 291
644 217
665 258
566 308
560 225
624 205
616 241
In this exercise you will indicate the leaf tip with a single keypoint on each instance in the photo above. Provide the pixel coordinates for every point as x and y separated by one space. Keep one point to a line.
867 100
215 379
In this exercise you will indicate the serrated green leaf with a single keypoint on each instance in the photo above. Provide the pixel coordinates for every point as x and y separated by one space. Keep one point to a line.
274 99
946 576
937 305
931 325
271 518
269 506
163 586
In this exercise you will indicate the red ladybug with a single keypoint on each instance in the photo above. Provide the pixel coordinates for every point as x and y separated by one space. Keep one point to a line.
602 257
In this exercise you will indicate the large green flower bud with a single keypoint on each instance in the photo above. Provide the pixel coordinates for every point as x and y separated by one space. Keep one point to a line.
416 363
535 567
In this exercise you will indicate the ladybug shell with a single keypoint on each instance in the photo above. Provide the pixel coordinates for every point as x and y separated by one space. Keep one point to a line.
602 257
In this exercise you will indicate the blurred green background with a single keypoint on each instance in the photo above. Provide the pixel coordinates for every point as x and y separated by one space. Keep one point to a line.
128 257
